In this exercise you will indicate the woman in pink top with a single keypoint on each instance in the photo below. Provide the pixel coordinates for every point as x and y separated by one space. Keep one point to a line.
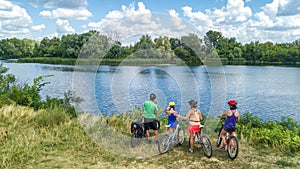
195 117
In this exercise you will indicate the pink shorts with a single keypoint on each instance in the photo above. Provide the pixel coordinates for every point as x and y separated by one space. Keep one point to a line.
194 128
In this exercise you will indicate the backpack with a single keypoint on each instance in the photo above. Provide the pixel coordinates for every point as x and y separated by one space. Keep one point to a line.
138 127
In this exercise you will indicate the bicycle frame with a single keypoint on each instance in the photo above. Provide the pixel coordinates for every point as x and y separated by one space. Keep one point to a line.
166 140
172 135
203 141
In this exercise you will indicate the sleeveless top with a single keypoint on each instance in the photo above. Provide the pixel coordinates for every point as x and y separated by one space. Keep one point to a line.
231 120
197 117
171 118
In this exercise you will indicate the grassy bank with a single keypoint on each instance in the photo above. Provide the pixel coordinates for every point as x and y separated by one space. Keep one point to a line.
94 61
51 139
146 61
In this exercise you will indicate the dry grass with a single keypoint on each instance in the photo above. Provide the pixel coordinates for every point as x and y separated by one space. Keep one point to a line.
72 144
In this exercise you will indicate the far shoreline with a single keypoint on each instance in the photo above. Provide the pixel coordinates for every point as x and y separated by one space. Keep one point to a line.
135 62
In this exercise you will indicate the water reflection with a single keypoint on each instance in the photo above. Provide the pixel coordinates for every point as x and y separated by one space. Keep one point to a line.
269 92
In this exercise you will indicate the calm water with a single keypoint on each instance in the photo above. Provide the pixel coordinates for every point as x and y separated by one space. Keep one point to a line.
269 92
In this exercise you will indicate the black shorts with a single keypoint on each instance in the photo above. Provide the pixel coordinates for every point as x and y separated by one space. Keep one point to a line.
151 125
231 129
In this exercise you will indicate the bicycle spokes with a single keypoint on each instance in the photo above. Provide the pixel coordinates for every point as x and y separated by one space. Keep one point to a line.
206 145
232 148
163 143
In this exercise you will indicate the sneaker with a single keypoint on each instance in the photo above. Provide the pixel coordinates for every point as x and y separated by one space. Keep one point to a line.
191 150
148 141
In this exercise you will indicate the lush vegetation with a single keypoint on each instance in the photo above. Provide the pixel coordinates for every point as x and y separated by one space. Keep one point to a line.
48 134
189 49
29 95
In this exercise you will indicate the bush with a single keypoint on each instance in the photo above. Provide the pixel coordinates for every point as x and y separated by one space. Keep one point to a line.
282 135
51 117
29 95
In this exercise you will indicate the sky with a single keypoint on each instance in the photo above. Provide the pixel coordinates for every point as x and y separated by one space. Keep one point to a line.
277 21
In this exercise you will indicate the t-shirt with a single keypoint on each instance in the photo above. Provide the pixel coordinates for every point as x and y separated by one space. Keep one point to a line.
149 109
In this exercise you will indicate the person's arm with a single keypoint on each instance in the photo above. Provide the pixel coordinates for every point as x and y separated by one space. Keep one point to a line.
238 117
155 112
185 117
223 114
167 111
200 115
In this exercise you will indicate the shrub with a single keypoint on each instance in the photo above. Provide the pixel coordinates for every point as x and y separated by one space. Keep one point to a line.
51 117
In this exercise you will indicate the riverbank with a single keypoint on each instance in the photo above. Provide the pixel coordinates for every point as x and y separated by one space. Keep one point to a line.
144 62
35 142
94 61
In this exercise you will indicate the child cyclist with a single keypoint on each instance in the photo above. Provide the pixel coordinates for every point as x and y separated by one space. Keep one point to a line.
170 111
195 117
232 118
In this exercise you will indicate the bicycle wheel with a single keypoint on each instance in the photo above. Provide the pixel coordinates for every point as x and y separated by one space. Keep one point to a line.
219 141
206 145
163 143
180 136
135 139
233 148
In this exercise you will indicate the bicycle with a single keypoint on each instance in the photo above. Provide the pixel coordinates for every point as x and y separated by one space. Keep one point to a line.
203 141
231 142
138 131
165 140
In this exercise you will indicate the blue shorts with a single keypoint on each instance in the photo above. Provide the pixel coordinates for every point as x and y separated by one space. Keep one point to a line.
173 125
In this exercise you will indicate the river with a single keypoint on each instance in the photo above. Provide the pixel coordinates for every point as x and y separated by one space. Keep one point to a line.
266 91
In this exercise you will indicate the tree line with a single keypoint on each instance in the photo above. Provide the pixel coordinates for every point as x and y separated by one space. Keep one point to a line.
189 48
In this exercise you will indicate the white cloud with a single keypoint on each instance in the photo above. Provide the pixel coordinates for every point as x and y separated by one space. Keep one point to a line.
274 17
70 4
289 7
277 21
63 13
38 27
236 11
177 23
194 16
131 22
64 27
173 13
14 20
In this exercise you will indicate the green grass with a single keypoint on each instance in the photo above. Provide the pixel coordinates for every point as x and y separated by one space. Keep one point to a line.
50 139
283 163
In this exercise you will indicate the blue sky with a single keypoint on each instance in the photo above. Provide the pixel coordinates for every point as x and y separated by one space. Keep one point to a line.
246 20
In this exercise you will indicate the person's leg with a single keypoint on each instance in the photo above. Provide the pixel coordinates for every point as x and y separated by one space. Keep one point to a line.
191 142
223 133
156 134
147 134
233 133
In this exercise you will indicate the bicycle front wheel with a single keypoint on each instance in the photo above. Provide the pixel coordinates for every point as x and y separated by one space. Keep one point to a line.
206 145
180 136
233 148
135 139
163 143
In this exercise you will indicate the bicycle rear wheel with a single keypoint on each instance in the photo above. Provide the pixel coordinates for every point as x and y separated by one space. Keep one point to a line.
206 145
135 139
180 136
233 148
163 143
219 141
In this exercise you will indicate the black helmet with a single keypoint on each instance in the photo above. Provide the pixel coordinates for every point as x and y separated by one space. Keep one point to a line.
152 96
193 103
